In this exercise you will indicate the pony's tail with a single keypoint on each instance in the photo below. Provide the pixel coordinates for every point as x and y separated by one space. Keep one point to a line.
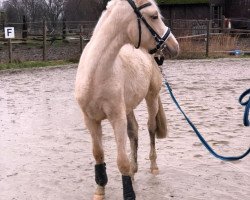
161 122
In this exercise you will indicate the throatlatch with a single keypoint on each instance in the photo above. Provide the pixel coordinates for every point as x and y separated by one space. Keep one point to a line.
101 177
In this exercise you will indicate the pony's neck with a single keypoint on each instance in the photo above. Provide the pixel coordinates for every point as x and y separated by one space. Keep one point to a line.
107 39
107 44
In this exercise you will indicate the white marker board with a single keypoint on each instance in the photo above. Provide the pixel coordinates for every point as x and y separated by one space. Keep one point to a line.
9 32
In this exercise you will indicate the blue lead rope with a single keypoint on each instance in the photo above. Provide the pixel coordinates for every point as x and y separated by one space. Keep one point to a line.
247 104
245 119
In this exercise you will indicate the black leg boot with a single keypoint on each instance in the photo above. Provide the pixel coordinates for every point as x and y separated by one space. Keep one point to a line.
128 192
101 175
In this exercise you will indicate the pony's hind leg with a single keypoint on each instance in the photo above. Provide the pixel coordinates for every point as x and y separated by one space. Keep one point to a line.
100 167
152 104
133 137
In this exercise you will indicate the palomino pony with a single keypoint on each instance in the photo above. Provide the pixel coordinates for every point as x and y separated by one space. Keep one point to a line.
113 78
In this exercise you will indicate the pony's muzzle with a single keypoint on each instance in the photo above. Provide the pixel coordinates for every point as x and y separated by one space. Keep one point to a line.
171 46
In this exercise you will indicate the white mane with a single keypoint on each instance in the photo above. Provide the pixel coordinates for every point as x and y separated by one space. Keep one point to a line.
105 14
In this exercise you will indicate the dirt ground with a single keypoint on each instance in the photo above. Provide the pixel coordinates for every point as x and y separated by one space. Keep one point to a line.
45 149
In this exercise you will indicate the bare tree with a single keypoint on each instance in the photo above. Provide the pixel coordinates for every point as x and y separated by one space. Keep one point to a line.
87 10
35 10
53 10
13 10
104 3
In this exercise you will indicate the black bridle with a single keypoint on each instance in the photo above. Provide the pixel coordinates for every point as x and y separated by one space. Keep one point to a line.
159 40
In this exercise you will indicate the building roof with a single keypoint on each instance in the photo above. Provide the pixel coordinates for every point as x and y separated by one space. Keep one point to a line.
169 2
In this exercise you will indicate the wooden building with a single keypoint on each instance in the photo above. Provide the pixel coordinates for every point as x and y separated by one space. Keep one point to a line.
239 13
214 10
191 9
237 9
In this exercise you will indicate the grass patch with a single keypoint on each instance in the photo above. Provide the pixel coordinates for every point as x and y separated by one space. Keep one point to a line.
34 64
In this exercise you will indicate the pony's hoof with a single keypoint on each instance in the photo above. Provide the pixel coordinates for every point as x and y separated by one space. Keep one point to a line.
98 197
155 171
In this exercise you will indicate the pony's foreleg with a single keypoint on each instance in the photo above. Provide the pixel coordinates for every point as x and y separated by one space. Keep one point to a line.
100 167
118 121
152 104
133 137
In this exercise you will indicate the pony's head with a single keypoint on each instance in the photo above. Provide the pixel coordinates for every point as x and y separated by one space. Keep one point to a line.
146 28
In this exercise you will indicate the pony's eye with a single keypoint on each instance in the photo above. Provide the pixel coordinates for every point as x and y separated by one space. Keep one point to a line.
154 17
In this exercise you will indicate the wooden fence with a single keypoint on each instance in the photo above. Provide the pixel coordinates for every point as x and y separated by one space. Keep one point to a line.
45 34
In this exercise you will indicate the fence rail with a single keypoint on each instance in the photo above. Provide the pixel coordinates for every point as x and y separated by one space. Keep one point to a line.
65 40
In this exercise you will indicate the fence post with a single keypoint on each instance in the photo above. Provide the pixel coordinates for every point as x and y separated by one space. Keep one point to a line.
64 31
10 51
81 39
223 24
44 40
171 18
25 28
171 24
209 23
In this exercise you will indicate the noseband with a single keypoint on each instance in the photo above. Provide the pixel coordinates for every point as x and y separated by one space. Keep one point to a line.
159 40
